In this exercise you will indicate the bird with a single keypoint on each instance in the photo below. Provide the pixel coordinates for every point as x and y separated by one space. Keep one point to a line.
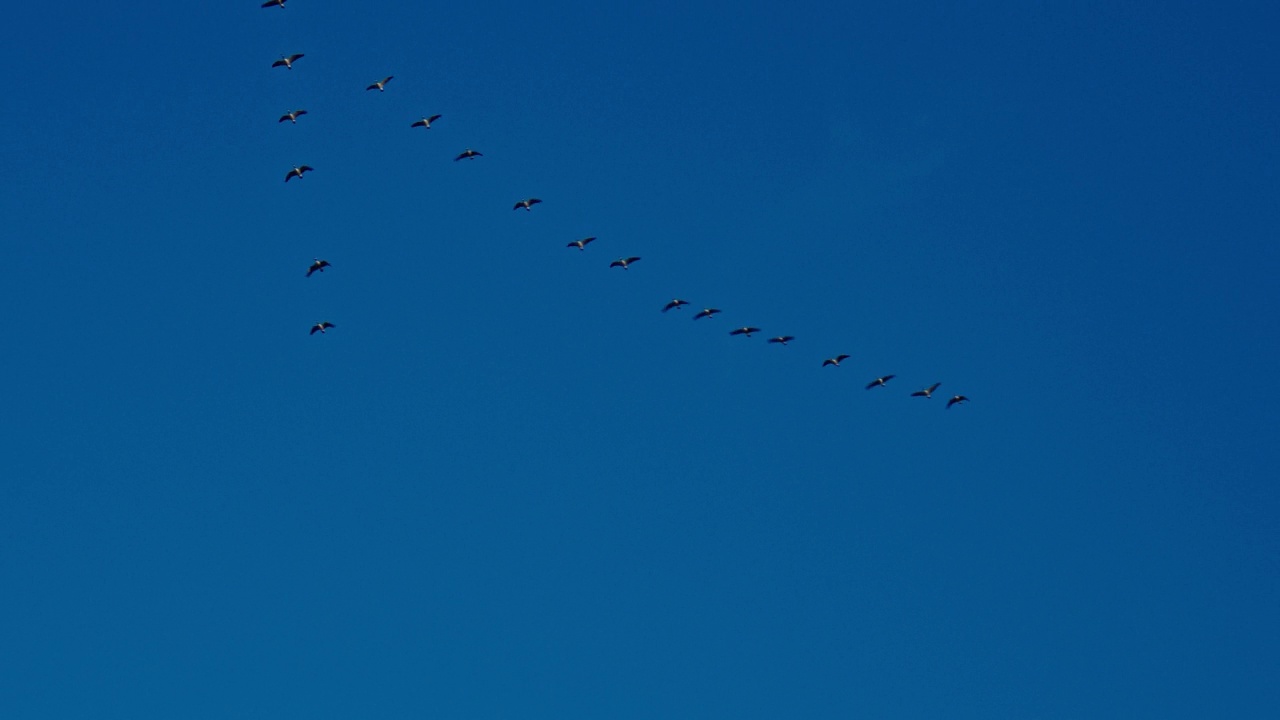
297 172
293 116
675 303
927 392
380 84
956 399
706 312
782 339
287 60
581 244
317 266
320 327
744 330
880 381
269 3
835 361
527 204
623 262
467 154
425 122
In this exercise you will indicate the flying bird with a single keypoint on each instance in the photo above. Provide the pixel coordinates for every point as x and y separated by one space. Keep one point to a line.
835 361
425 122
297 171
706 312
380 84
287 60
675 303
293 116
317 266
320 327
269 3
467 154
956 399
782 339
880 381
581 244
927 392
745 330
623 262
527 204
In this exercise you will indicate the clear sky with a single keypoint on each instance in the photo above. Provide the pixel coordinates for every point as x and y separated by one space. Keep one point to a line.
507 485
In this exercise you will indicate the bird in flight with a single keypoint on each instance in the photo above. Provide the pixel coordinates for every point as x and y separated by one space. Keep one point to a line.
675 303
270 3
835 361
927 392
317 266
287 61
425 122
782 339
293 116
880 381
297 171
320 327
467 154
527 204
380 84
706 312
623 262
581 244
955 400
745 330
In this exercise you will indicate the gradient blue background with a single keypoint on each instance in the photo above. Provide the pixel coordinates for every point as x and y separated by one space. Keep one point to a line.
506 485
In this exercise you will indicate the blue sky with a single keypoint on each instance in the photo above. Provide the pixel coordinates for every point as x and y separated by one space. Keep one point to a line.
507 485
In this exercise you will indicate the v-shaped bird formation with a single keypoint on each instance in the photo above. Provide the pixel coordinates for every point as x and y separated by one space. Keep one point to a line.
426 121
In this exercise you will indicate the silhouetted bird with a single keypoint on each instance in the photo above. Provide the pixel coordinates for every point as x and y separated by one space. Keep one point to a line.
623 263
317 266
835 360
706 312
581 244
320 327
380 84
956 399
467 154
287 60
269 3
745 330
880 381
927 392
675 303
425 122
527 204
297 171
293 116
782 339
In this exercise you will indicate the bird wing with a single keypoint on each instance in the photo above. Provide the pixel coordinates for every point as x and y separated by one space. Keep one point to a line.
873 383
286 116
314 329
295 56
842 358
887 378
632 259
372 87
616 263
305 168
934 386
420 123
534 201
518 205
299 112
289 175
433 118
278 63
387 79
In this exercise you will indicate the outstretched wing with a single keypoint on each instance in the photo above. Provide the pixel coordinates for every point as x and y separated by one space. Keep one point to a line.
433 118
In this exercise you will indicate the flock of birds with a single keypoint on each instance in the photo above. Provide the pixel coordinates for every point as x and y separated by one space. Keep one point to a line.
318 265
